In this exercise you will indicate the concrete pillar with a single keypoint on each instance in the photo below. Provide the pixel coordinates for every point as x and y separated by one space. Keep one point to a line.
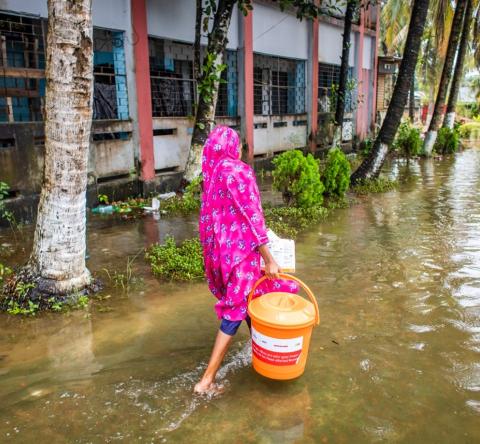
375 64
144 95
245 92
362 97
312 82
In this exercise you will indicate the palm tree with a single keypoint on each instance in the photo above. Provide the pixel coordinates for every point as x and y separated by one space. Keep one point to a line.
352 7
57 262
371 166
453 40
449 119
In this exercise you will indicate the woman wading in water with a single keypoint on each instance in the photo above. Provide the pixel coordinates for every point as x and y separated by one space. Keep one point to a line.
234 236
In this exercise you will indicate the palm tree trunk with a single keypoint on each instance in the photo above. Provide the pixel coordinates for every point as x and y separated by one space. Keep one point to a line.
371 166
449 119
455 32
57 262
352 6
411 100
205 116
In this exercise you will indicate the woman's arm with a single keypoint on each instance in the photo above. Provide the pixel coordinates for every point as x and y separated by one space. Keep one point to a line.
271 267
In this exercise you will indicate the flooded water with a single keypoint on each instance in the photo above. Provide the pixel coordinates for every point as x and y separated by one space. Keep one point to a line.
395 359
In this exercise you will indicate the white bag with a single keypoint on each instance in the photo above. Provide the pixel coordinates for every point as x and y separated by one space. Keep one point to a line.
282 250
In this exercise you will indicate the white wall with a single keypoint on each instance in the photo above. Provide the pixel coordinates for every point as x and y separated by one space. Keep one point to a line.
111 14
175 20
368 52
278 33
330 44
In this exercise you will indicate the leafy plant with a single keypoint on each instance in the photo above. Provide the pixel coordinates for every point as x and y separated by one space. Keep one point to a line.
447 141
377 185
470 130
408 141
298 178
188 203
336 174
365 146
171 262
5 272
124 279
4 213
103 199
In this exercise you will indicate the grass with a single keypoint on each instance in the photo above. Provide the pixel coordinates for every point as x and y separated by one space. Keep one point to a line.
378 185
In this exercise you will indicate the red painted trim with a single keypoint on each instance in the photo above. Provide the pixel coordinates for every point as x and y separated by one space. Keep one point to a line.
144 95
314 92
375 68
248 78
360 118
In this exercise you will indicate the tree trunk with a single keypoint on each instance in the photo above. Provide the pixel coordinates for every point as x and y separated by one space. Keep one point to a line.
435 121
411 101
371 166
352 6
449 119
198 36
205 116
57 262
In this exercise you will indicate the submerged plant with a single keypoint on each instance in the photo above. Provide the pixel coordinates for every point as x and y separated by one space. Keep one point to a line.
377 185
181 262
298 178
408 141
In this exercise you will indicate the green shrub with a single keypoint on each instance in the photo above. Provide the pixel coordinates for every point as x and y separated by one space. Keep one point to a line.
181 263
4 213
447 141
298 178
189 202
336 174
408 141
378 185
365 147
470 130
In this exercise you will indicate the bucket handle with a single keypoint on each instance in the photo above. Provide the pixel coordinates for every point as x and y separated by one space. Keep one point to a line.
298 281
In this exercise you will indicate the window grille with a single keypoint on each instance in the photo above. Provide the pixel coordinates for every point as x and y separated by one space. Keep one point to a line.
171 76
328 76
110 99
278 85
228 89
22 58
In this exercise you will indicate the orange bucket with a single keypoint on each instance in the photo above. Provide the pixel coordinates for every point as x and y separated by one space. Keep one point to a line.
282 325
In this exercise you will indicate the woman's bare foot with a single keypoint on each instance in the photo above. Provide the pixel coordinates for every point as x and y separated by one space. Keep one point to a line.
210 388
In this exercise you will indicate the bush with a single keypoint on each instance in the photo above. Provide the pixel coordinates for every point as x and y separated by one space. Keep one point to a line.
188 203
470 131
336 174
171 262
408 142
298 178
365 147
447 141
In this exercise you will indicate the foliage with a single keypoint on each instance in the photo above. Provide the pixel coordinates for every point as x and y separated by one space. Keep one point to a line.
336 174
298 178
4 213
447 141
365 146
171 262
103 199
470 130
408 141
377 185
124 279
287 222
5 272
22 305
188 203
468 110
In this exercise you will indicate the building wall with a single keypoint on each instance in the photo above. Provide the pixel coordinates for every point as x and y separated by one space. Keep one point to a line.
115 143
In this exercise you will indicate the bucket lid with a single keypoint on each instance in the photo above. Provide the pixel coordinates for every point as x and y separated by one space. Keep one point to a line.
284 310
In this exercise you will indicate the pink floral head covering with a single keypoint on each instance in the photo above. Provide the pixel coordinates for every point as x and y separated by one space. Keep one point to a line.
222 143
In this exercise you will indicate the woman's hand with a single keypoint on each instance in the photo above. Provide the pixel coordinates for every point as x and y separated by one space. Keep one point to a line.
271 267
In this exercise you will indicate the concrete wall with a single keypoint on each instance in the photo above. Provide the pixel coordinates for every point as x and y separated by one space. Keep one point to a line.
269 138
278 33
330 39
175 20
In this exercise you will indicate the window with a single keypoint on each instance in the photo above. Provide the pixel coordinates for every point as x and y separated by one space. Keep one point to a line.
278 86
171 76
110 100
22 57
228 89
328 78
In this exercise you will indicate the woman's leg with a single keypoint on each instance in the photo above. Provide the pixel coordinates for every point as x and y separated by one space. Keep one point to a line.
222 342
